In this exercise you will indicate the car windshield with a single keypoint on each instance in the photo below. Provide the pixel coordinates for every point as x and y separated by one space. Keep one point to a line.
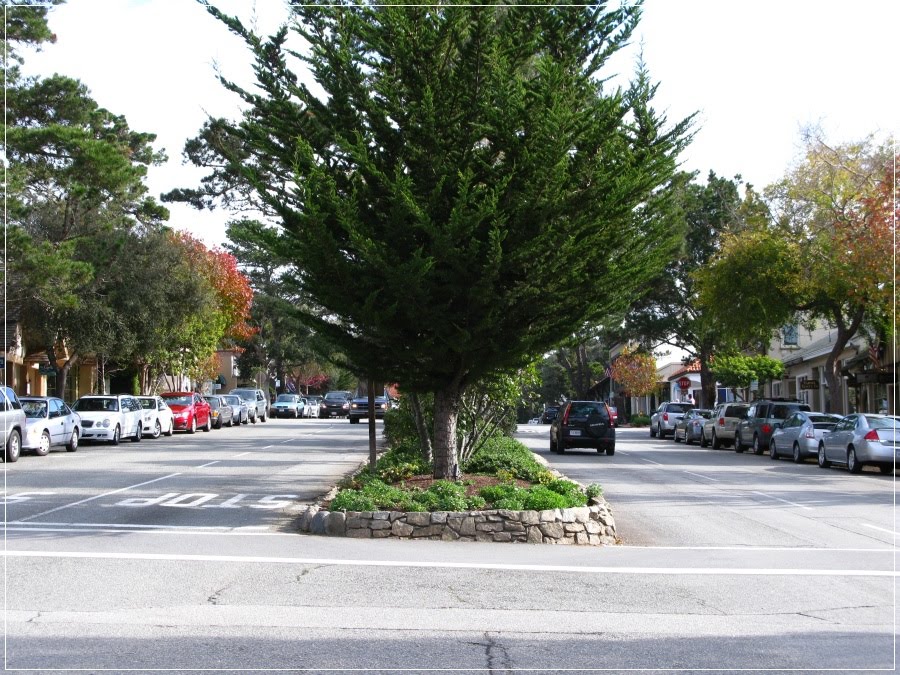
148 403
232 400
179 400
782 412
97 405
246 394
827 420
678 407
739 411
285 398
212 400
35 409
335 397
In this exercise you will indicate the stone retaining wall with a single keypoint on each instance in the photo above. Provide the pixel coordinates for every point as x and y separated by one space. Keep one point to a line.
590 525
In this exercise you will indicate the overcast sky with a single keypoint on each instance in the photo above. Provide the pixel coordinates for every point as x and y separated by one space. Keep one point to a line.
755 71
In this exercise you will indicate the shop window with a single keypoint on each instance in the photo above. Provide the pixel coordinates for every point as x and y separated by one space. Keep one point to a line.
790 335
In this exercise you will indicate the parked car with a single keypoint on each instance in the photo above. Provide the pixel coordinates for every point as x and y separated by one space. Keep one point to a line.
239 408
359 408
615 414
583 424
335 404
756 429
189 410
690 427
663 421
288 405
221 411
549 414
49 422
861 439
110 418
799 435
720 428
158 417
312 405
13 420
256 400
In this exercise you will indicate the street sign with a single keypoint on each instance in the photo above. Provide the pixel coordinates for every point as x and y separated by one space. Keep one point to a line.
684 383
46 369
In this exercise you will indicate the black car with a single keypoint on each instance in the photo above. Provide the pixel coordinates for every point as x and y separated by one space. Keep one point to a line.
549 415
359 408
583 424
335 404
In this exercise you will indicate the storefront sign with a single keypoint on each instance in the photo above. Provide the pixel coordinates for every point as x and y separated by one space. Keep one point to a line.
809 384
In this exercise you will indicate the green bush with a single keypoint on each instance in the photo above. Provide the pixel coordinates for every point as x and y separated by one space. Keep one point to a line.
593 490
540 498
503 453
571 491
640 420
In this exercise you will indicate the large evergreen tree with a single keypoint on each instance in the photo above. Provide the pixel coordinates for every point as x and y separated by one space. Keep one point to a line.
465 195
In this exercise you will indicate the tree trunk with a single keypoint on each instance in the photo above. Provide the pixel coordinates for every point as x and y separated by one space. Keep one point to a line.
373 455
421 427
832 376
446 414
707 383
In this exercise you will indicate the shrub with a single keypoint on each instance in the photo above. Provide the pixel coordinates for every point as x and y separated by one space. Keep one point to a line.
593 490
571 491
540 498
503 453
640 420
443 495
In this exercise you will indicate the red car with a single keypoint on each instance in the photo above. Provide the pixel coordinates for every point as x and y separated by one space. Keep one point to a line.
189 411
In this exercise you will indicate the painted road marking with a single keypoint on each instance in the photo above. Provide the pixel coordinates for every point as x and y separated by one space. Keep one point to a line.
105 494
700 475
679 571
808 508
200 499
881 529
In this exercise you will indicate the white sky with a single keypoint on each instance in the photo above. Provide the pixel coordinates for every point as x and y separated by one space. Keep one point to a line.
757 71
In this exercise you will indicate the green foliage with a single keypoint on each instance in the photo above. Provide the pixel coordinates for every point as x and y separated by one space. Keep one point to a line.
640 420
503 453
593 490
739 371
560 494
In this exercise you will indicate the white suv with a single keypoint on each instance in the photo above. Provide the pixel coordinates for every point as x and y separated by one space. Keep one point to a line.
12 418
110 418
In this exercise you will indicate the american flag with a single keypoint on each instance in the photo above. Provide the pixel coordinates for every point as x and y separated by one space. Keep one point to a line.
608 370
291 387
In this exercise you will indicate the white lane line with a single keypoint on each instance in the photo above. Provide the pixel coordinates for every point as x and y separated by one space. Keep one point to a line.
700 475
808 508
154 527
650 461
236 532
881 529
90 499
266 447
679 571
240 455
203 466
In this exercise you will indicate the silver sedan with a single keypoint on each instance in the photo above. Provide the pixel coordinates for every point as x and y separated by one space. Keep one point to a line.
799 435
861 439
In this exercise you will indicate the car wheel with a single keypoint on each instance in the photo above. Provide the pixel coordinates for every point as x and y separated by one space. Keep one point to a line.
675 436
757 448
652 432
611 451
853 464
43 447
139 434
553 446
823 462
773 451
738 446
253 419
688 440
171 428
262 418
157 429
798 459
208 426
72 445
716 443
13 446
703 441
561 447
117 433
193 425
354 420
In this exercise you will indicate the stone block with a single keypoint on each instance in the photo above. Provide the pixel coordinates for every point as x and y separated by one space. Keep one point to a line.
530 517
512 526
361 533
494 518
380 525
454 522
567 515
549 516
535 536
335 526
419 519
365 514
484 536
381 515
449 535
317 525
438 517
582 538
427 531
506 514
380 534
573 527
467 527
489 527
355 522
582 514
593 540
397 515
592 527
502 536
401 529
552 530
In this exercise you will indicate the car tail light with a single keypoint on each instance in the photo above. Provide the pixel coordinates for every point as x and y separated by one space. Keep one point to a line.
810 433
721 421
767 428
565 419
872 436
665 417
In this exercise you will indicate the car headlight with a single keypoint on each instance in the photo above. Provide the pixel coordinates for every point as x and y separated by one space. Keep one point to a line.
105 423
354 405
346 406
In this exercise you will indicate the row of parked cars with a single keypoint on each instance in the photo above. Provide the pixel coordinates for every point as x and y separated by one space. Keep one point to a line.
786 428
39 423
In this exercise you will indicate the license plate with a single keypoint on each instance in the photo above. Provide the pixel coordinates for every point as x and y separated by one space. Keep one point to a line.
574 432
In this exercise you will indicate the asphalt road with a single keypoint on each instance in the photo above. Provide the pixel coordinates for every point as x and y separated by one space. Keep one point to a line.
179 554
